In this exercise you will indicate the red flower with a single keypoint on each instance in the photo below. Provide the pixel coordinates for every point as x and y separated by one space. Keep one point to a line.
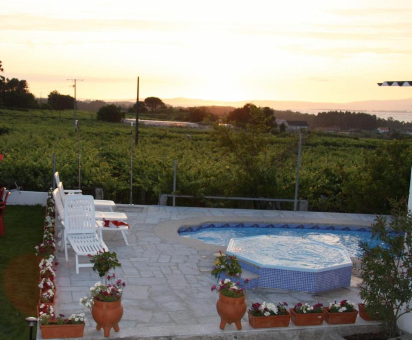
342 303
213 288
89 255
256 306
246 280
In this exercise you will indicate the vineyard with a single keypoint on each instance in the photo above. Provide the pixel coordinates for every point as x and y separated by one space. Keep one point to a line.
338 173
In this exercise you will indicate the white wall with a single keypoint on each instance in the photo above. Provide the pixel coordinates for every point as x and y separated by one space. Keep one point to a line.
27 198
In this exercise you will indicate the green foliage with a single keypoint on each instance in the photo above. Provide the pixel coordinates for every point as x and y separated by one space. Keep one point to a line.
387 271
24 226
110 113
59 101
104 261
226 264
337 173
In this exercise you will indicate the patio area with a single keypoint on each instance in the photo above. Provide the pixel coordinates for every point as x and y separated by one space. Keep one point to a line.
168 278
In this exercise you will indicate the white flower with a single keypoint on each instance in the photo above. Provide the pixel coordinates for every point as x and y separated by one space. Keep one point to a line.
271 306
267 314
227 280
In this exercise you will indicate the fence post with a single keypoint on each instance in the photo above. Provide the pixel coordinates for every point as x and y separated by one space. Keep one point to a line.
54 171
174 185
297 180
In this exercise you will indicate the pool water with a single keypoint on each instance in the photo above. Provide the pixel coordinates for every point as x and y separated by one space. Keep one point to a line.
221 234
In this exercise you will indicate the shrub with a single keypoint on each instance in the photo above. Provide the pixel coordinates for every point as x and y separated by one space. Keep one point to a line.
387 270
110 113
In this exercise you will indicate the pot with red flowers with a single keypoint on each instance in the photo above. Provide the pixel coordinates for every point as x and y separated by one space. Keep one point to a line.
342 312
267 315
304 314
231 305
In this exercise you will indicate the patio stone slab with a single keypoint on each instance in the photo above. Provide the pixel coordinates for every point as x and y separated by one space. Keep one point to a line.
168 279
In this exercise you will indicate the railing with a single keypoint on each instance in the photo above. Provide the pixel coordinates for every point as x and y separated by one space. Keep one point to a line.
302 204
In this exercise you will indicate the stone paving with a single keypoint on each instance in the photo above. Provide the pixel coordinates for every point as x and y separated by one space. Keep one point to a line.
168 278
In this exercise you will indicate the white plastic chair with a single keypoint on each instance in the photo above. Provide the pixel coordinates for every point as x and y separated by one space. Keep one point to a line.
99 203
80 228
58 195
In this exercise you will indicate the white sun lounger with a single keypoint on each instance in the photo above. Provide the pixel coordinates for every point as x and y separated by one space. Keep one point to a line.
80 228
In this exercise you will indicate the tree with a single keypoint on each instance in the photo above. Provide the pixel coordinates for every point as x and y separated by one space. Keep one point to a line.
199 114
142 108
110 113
240 116
59 101
253 115
154 103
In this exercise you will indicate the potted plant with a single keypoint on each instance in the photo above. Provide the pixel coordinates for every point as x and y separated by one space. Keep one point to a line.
340 312
306 315
58 327
47 273
226 266
47 297
105 299
267 315
231 305
46 248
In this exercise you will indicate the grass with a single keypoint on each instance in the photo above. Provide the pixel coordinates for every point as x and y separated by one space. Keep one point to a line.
19 270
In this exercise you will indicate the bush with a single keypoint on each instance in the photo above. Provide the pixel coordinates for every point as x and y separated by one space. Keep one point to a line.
387 270
110 113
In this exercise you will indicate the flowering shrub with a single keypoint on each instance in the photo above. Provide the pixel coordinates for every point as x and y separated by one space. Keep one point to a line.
47 273
46 284
47 248
74 319
344 306
306 308
104 261
228 265
268 309
105 293
231 289
47 296
46 262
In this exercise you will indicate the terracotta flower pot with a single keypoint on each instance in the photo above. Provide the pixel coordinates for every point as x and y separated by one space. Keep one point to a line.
107 315
231 310
269 321
339 318
308 319
364 315
62 331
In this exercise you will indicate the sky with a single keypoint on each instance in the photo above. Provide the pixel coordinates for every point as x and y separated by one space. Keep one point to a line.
317 51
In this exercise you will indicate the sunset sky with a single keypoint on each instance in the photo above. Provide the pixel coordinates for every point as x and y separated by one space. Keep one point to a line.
319 51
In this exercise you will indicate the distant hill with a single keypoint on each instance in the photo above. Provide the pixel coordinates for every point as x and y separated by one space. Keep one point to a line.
404 105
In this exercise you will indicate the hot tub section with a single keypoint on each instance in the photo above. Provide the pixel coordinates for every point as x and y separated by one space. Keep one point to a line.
293 263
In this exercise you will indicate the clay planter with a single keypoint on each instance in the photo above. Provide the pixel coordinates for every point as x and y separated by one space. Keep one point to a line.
308 319
62 331
231 310
269 321
339 318
107 315
363 313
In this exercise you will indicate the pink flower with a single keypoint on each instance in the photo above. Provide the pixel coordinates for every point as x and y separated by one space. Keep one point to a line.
213 288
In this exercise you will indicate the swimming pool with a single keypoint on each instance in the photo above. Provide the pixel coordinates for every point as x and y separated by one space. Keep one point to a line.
221 233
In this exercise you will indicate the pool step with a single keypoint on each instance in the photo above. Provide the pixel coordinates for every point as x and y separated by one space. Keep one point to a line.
246 274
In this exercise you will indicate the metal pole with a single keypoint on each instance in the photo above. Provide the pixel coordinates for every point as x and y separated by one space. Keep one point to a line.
32 322
174 185
137 116
78 153
74 110
297 180
131 163
54 171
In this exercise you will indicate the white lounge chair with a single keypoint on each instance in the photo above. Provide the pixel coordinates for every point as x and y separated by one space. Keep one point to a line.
80 228
100 216
98 203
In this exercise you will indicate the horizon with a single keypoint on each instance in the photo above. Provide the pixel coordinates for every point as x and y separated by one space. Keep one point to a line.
313 52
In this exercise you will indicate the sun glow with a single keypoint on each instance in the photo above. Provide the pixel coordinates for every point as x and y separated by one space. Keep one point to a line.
232 50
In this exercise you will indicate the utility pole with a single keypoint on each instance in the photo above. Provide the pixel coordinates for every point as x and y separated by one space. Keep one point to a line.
137 116
74 103
297 179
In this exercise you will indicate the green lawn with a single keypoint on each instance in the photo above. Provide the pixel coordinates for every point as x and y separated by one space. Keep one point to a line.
19 269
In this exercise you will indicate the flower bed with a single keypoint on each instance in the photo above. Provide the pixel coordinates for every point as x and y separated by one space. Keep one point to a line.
50 325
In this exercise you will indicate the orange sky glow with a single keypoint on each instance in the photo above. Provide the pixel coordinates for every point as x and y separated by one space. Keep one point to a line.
318 51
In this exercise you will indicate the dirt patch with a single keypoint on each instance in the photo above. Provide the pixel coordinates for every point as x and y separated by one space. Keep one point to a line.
366 336
21 278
